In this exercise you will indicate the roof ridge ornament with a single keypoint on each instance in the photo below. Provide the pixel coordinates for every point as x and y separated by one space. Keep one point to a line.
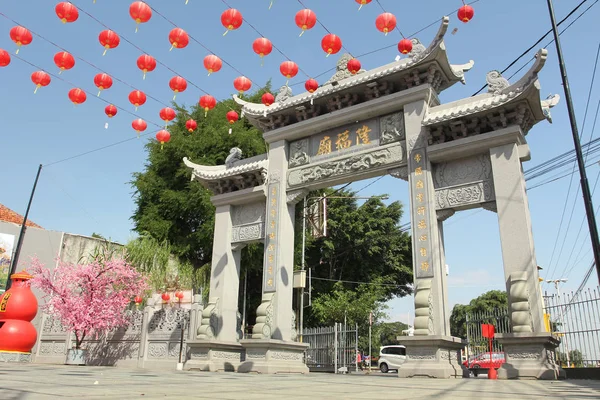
547 104
418 48
341 69
496 82
235 154
285 92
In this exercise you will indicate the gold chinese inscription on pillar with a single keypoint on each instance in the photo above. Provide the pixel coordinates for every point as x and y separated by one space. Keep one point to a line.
270 259
420 215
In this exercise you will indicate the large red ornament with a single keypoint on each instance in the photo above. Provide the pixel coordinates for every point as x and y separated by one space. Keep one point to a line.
331 44
191 125
67 12
262 47
267 99
289 69
109 40
207 102
77 96
232 116
242 84
231 19
386 22
21 36
178 38
137 98
140 12
405 46
311 85
18 306
306 19
167 114
102 82
163 137
212 63
139 125
353 66
64 60
4 58
40 78
138 300
146 63
110 111
177 85
362 3
466 13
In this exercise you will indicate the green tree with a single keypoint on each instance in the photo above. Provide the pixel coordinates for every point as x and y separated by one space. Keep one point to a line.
486 303
389 331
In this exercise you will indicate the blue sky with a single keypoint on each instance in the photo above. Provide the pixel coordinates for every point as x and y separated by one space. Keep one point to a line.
91 193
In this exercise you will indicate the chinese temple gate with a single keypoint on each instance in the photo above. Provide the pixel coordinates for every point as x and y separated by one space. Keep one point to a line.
388 120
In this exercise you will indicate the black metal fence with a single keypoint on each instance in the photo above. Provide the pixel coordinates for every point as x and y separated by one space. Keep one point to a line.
332 348
476 343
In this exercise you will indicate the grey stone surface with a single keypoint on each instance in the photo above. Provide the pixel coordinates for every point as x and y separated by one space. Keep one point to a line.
529 356
273 357
432 356
213 356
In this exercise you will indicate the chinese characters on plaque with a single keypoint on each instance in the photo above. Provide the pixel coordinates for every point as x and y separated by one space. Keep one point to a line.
423 269
270 263
346 139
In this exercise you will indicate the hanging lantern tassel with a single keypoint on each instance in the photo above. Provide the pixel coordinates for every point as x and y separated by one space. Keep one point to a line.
175 95
105 50
171 48
137 25
205 112
99 91
311 102
226 32
18 48
360 7
186 1
36 88
271 5
144 77
106 125
230 130
162 145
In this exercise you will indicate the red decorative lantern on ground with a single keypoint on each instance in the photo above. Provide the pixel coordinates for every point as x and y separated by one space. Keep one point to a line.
386 22
21 36
167 114
178 38
146 63
362 3
306 19
207 102
212 63
177 85
231 19
289 69
191 125
18 307
40 78
77 96
140 12
311 85
353 66
139 125
405 46
262 47
102 82
242 84
331 44
267 99
64 60
4 58
465 13
110 110
163 137
137 98
67 12
165 296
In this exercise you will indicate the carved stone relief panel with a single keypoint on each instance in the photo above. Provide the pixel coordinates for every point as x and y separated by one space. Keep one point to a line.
248 222
466 170
464 195
299 153
392 128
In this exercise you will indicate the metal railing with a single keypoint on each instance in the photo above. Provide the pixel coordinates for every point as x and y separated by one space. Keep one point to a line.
332 348
476 343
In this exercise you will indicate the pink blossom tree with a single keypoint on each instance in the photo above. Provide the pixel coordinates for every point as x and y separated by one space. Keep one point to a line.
90 298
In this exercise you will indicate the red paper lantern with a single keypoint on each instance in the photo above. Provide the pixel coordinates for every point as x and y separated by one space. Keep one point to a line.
102 81
40 78
21 36
362 3
167 114
163 137
165 296
207 102
232 116
191 125
146 63
289 69
138 299
386 22
139 125
242 84
140 12
353 66
4 58
110 110
67 12
405 46
177 85
331 44
466 13
77 96
137 98
179 294
178 38
311 85
267 99
109 40
262 47
306 19
231 19
64 60
212 63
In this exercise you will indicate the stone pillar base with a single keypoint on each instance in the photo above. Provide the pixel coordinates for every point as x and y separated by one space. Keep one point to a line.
213 356
432 357
268 356
529 356
14 356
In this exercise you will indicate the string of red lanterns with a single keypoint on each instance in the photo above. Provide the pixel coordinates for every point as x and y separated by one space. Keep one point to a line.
140 12
103 81
64 61
146 63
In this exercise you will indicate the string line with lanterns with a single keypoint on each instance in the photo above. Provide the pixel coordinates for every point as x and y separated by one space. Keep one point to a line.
387 18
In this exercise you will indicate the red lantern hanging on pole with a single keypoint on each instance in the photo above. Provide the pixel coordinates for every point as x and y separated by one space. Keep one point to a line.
465 13
139 125
362 3
163 137
231 19
178 38
262 47
331 44
109 40
167 114
207 102
386 22
21 36
140 12
137 98
146 63
405 46
77 96
267 99
64 60
177 85
40 78
4 58
311 85
306 19
67 12
102 81
289 69
242 84
191 125
110 110
353 66
212 63
232 117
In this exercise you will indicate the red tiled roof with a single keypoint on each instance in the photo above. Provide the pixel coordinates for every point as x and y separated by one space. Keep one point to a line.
8 215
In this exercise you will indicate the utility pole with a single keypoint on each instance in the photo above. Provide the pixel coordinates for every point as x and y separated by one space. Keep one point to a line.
15 260
562 316
585 187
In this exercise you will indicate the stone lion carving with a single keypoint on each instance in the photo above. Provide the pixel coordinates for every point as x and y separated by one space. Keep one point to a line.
235 154
285 92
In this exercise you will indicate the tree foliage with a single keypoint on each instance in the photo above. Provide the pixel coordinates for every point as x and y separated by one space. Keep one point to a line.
486 303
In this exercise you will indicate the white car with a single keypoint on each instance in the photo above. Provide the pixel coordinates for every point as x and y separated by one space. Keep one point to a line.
391 357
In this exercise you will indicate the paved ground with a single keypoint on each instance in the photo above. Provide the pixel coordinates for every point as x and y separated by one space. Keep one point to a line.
24 382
